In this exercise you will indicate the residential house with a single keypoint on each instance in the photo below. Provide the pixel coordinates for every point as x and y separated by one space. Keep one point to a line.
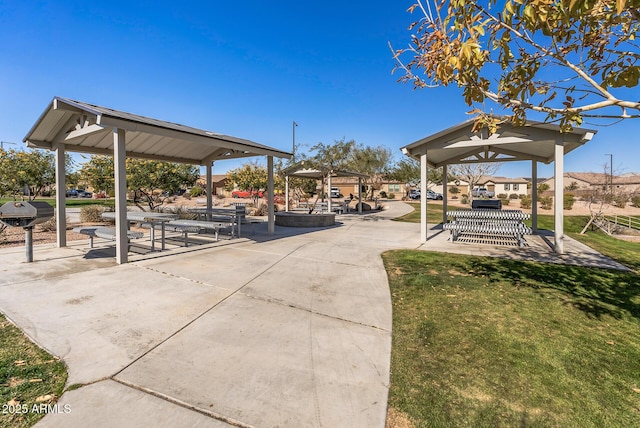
506 186
219 183
461 185
582 181
349 185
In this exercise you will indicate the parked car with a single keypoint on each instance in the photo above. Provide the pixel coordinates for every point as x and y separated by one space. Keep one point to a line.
246 193
414 194
72 193
481 192
84 194
434 195
335 192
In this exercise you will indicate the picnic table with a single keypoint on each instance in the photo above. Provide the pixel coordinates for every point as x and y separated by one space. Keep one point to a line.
488 222
234 216
151 218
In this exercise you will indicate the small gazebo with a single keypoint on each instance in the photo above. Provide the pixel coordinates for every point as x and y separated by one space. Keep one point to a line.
76 126
300 170
535 142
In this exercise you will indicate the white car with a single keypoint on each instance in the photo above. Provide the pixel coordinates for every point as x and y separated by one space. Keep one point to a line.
434 195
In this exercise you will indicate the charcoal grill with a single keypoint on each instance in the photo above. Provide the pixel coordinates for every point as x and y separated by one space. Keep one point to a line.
486 204
26 215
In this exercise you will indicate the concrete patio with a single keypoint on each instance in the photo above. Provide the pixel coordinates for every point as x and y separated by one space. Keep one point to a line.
286 330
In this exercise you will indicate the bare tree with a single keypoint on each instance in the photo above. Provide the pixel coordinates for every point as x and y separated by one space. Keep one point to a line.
473 172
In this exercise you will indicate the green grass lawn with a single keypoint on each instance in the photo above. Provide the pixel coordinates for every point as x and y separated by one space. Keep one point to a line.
30 378
487 342
70 202
484 342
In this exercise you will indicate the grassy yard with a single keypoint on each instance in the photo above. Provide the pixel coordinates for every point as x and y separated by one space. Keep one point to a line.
70 202
483 342
30 378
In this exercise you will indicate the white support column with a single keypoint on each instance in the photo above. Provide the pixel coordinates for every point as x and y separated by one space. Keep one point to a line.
359 195
270 188
558 191
119 164
423 198
534 196
445 194
286 193
61 194
209 189
329 193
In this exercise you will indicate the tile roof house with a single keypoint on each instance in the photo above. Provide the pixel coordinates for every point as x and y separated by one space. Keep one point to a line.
505 185
627 183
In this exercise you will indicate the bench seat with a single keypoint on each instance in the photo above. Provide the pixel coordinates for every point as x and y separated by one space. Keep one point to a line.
104 233
186 226
504 227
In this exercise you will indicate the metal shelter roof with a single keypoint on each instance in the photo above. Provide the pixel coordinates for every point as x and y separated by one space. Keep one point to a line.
534 141
298 170
88 128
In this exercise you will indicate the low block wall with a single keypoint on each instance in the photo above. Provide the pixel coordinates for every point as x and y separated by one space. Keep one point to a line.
289 219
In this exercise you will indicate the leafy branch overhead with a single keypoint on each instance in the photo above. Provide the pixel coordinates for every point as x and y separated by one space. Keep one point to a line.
568 60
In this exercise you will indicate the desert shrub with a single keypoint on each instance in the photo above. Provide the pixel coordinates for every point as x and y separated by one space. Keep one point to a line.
502 196
525 202
383 194
465 199
49 225
620 200
546 202
196 191
91 213
183 213
392 196
454 190
542 187
505 201
187 195
514 196
568 201
263 210
635 201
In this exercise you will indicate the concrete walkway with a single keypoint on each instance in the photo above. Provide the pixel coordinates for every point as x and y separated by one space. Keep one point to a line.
292 330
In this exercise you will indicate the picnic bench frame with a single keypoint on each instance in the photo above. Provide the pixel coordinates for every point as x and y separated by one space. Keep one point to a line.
488 222
104 232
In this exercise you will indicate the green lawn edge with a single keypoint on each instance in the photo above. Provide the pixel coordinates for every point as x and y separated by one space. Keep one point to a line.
486 342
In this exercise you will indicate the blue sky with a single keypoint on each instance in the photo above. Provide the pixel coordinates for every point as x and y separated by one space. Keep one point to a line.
247 69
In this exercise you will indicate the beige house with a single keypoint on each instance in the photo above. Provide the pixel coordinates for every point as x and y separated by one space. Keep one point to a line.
219 183
581 181
498 185
463 188
506 186
349 185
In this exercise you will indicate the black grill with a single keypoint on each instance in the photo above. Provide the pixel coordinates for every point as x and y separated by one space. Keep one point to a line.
486 204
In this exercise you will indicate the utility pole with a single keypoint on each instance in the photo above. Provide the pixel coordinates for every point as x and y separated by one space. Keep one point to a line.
610 171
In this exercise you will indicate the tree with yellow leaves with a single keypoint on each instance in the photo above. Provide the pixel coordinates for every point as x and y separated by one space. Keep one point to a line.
567 60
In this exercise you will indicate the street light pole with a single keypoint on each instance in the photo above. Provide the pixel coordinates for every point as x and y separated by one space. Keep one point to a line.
293 145
2 143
